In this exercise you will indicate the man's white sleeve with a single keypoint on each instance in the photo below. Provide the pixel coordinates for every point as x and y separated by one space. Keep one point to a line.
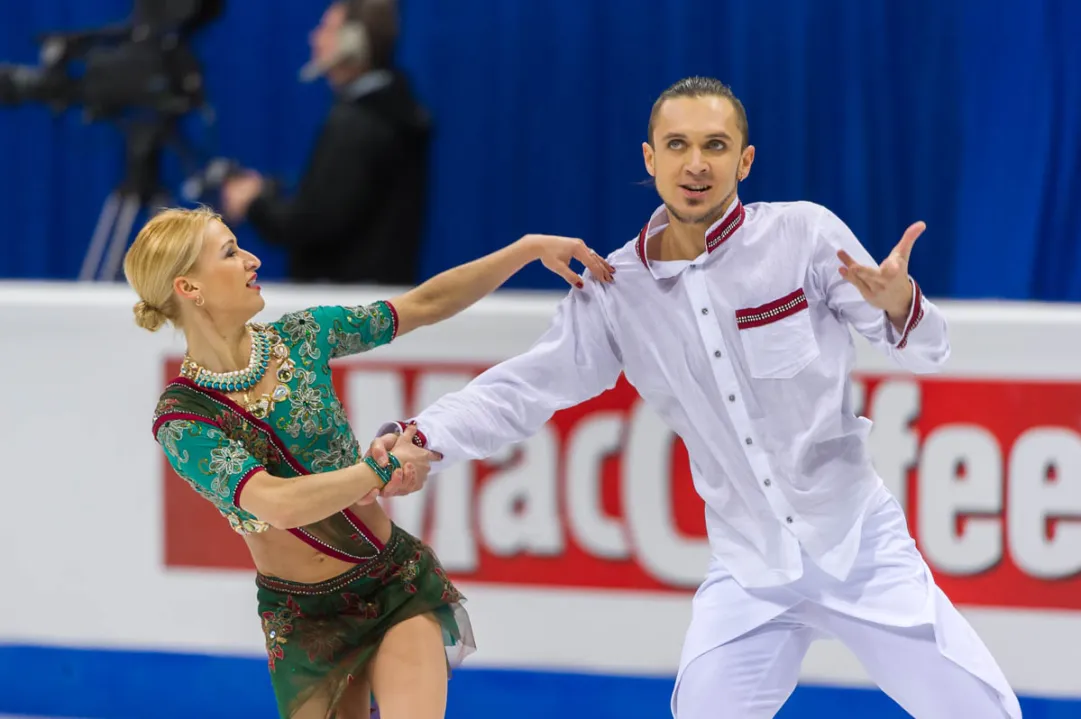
921 347
576 359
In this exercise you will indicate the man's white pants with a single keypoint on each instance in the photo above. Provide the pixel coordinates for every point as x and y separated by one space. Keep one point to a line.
910 639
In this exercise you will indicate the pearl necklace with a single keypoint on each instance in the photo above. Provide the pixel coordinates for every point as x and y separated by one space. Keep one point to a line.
238 380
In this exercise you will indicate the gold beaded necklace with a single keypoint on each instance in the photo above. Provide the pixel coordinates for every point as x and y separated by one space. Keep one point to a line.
266 344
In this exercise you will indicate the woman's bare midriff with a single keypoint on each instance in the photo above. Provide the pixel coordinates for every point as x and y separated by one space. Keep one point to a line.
277 553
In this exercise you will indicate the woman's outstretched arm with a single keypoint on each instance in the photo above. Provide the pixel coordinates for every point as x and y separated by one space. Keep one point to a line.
450 292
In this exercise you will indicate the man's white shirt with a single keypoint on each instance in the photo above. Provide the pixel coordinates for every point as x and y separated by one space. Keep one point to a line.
745 353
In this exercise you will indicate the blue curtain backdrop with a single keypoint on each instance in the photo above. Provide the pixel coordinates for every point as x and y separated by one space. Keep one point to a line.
964 113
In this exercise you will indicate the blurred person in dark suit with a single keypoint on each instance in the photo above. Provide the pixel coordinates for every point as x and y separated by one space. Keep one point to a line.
358 213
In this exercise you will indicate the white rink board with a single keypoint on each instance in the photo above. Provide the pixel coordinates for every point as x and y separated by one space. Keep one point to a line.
81 513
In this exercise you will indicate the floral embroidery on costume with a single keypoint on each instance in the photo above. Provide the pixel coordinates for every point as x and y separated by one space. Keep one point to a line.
256 443
374 324
170 434
321 639
341 453
303 329
211 463
407 572
165 404
359 606
450 592
306 408
226 461
277 626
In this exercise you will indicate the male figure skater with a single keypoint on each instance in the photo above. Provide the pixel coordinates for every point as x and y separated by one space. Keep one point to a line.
732 322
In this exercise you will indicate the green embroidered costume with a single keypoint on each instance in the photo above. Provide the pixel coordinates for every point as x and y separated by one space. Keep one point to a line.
318 636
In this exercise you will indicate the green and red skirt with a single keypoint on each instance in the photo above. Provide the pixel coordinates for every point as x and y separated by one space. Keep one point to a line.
319 637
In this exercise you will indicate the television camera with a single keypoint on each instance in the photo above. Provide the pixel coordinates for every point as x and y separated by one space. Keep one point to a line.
143 76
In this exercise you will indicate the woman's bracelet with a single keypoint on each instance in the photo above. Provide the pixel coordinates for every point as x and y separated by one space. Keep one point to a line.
384 473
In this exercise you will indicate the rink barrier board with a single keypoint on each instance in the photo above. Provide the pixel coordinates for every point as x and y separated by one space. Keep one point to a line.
1002 535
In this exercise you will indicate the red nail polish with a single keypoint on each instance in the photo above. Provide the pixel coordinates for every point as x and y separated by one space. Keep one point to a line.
580 285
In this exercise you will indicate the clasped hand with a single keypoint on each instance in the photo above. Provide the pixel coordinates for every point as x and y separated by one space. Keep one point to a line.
415 460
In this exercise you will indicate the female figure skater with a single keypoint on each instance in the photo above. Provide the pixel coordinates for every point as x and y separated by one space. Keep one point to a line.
350 604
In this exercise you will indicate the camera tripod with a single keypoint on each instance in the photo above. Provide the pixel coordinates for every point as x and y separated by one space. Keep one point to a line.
137 193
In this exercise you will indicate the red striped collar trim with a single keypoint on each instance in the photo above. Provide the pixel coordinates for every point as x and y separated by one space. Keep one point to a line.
724 229
715 237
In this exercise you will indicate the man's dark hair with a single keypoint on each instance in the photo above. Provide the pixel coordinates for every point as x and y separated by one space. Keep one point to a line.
380 18
701 87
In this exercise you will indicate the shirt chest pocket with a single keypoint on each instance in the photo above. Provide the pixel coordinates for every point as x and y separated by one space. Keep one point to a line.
778 338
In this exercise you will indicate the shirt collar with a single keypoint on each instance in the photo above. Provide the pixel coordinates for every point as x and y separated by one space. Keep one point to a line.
716 235
367 83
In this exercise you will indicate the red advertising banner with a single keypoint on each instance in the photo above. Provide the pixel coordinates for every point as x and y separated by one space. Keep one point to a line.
989 472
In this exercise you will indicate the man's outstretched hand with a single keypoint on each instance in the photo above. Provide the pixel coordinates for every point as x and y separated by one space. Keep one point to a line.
887 286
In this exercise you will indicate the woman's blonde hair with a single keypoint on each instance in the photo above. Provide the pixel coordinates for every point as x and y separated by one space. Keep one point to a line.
166 248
